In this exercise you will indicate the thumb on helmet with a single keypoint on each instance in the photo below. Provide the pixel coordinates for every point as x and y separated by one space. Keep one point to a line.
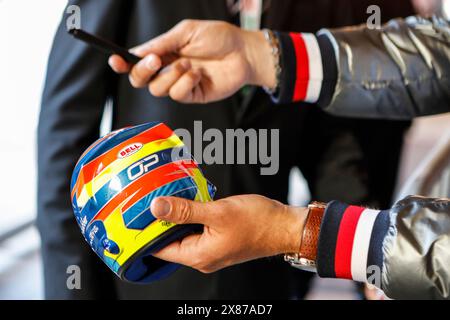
181 211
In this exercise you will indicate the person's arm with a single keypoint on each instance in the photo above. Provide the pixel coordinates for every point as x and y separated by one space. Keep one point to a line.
406 245
403 250
399 71
77 86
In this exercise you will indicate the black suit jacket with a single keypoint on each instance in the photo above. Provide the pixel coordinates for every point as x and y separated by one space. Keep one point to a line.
79 83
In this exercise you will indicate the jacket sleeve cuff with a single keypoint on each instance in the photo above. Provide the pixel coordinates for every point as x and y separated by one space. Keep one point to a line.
308 68
351 241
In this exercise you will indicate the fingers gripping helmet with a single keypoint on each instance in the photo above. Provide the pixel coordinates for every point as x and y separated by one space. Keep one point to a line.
112 187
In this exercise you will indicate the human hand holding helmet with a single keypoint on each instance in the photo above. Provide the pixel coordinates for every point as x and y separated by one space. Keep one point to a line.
203 61
236 229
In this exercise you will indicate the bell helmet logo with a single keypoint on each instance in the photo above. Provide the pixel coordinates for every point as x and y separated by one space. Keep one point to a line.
129 150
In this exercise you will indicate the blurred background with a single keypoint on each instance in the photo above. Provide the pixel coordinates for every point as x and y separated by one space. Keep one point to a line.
26 31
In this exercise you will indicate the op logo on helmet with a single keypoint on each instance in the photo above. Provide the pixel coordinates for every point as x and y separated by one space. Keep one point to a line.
129 150
142 167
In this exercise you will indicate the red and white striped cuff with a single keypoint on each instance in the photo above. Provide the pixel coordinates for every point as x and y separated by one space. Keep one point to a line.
308 68
309 72
351 241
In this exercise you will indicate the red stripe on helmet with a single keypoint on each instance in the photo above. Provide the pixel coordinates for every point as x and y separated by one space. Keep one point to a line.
146 184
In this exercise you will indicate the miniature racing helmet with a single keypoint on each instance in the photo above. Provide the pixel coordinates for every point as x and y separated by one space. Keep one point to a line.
112 187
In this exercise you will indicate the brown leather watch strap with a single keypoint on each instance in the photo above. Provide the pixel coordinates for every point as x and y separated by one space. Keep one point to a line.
311 231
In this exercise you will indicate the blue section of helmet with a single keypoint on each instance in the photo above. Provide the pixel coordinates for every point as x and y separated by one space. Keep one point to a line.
110 246
139 216
95 234
211 189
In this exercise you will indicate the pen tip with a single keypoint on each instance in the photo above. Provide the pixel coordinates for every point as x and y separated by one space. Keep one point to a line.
72 31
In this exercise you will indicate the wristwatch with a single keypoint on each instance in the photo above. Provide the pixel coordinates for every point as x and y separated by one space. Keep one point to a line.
305 259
